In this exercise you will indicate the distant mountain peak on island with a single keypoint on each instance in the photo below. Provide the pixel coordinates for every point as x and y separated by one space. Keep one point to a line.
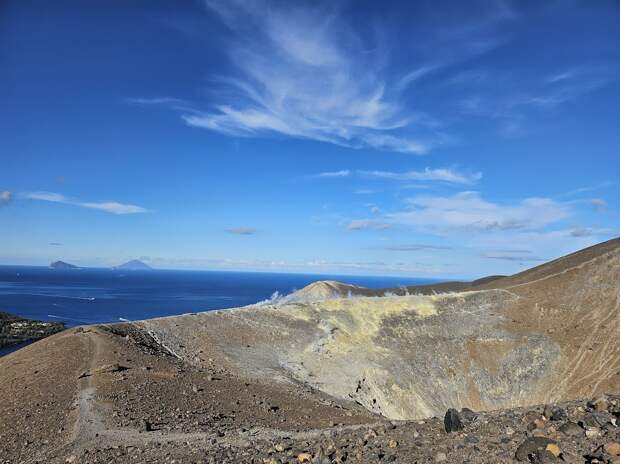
133 265
62 265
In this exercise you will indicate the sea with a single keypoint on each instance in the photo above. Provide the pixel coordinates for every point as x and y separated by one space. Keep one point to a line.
90 295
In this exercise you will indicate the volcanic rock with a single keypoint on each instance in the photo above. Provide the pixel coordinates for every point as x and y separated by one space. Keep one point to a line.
531 447
452 421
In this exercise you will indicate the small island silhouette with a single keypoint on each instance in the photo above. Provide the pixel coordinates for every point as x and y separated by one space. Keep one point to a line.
133 265
62 265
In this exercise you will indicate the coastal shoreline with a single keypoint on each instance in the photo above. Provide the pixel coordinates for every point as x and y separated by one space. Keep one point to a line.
16 332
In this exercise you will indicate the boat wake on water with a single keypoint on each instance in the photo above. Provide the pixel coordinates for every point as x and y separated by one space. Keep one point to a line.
64 318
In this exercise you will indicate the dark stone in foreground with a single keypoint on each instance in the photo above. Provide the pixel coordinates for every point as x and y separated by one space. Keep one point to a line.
452 421
145 426
571 429
468 415
534 448
15 329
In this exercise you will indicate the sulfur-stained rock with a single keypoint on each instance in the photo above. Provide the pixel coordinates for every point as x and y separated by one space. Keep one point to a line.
539 424
554 449
612 448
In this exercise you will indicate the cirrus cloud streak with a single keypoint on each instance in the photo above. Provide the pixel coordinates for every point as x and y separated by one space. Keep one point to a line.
447 175
241 230
112 207
306 73
470 211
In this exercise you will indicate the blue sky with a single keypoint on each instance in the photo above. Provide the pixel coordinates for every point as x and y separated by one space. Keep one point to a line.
442 139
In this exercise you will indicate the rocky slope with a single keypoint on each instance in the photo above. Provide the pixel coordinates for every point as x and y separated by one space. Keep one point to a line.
325 290
516 341
337 373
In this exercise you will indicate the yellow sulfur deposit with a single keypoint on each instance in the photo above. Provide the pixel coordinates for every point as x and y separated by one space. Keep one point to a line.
355 321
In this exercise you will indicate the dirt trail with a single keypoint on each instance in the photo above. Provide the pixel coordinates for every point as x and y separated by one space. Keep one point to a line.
88 422
91 429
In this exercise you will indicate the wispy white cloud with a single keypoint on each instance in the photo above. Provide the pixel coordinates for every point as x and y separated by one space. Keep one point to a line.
241 230
305 72
365 224
107 206
515 257
447 175
428 174
113 207
513 254
581 78
468 210
305 266
364 191
47 196
599 204
540 243
5 197
342 173
556 97
566 86
512 128
500 231
586 189
302 73
400 144
581 232
514 99
514 110
415 74
560 76
417 247
469 77
156 101
375 266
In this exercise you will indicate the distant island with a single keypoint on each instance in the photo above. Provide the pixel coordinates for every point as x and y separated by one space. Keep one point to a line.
133 265
62 265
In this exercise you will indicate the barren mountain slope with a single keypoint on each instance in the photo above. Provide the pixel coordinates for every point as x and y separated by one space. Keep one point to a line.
327 289
553 338
326 372
557 266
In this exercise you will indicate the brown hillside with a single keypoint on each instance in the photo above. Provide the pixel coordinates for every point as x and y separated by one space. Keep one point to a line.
324 374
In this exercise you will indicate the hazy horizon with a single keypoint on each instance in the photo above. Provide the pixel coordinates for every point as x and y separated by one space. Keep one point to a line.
248 271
